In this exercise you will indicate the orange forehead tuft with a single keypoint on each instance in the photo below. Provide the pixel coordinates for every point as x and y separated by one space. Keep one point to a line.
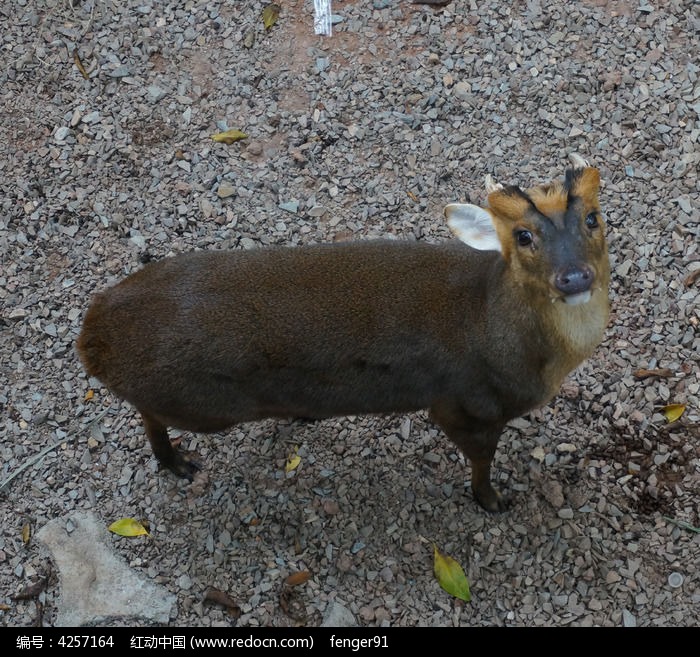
587 184
550 199
508 202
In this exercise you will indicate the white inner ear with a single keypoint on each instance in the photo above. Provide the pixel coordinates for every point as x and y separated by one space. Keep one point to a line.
473 225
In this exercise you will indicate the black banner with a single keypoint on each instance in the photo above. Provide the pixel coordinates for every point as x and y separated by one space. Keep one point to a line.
33 640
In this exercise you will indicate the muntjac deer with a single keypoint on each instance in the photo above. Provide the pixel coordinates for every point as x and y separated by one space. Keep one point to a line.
478 334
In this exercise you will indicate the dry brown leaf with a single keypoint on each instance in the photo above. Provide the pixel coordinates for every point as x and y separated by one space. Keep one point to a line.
291 605
89 395
26 533
79 64
4 607
295 579
691 278
645 374
30 591
224 600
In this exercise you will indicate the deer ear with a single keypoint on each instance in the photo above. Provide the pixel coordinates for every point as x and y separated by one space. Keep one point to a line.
473 226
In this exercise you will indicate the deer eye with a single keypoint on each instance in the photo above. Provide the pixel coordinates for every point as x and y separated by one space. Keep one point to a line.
524 237
592 220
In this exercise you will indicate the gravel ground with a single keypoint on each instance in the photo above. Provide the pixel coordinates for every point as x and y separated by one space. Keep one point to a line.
369 132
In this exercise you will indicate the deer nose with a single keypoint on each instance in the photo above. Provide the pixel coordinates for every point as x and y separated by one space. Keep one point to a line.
574 279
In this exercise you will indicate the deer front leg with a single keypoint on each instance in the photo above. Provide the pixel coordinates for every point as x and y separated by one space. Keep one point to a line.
477 440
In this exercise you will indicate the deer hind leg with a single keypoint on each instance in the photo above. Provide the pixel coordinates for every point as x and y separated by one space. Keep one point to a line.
166 455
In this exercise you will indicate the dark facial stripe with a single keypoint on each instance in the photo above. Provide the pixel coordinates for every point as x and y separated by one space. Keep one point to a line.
571 179
514 190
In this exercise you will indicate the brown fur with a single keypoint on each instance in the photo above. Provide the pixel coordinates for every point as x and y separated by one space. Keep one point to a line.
205 340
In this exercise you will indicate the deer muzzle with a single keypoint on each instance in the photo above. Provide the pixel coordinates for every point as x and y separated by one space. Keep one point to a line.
574 282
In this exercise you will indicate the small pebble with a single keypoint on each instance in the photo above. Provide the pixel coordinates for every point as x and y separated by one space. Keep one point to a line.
225 190
61 133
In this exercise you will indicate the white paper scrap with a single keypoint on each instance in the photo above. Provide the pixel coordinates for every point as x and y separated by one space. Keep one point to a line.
322 17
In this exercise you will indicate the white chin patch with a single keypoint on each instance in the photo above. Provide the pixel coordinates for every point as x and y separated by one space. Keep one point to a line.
578 299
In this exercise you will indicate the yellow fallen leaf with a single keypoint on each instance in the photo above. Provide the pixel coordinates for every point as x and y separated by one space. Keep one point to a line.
26 533
673 411
293 460
128 527
89 394
270 15
229 136
450 575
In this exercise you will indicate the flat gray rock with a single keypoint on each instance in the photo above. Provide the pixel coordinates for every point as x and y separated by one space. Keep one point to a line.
96 585
338 615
